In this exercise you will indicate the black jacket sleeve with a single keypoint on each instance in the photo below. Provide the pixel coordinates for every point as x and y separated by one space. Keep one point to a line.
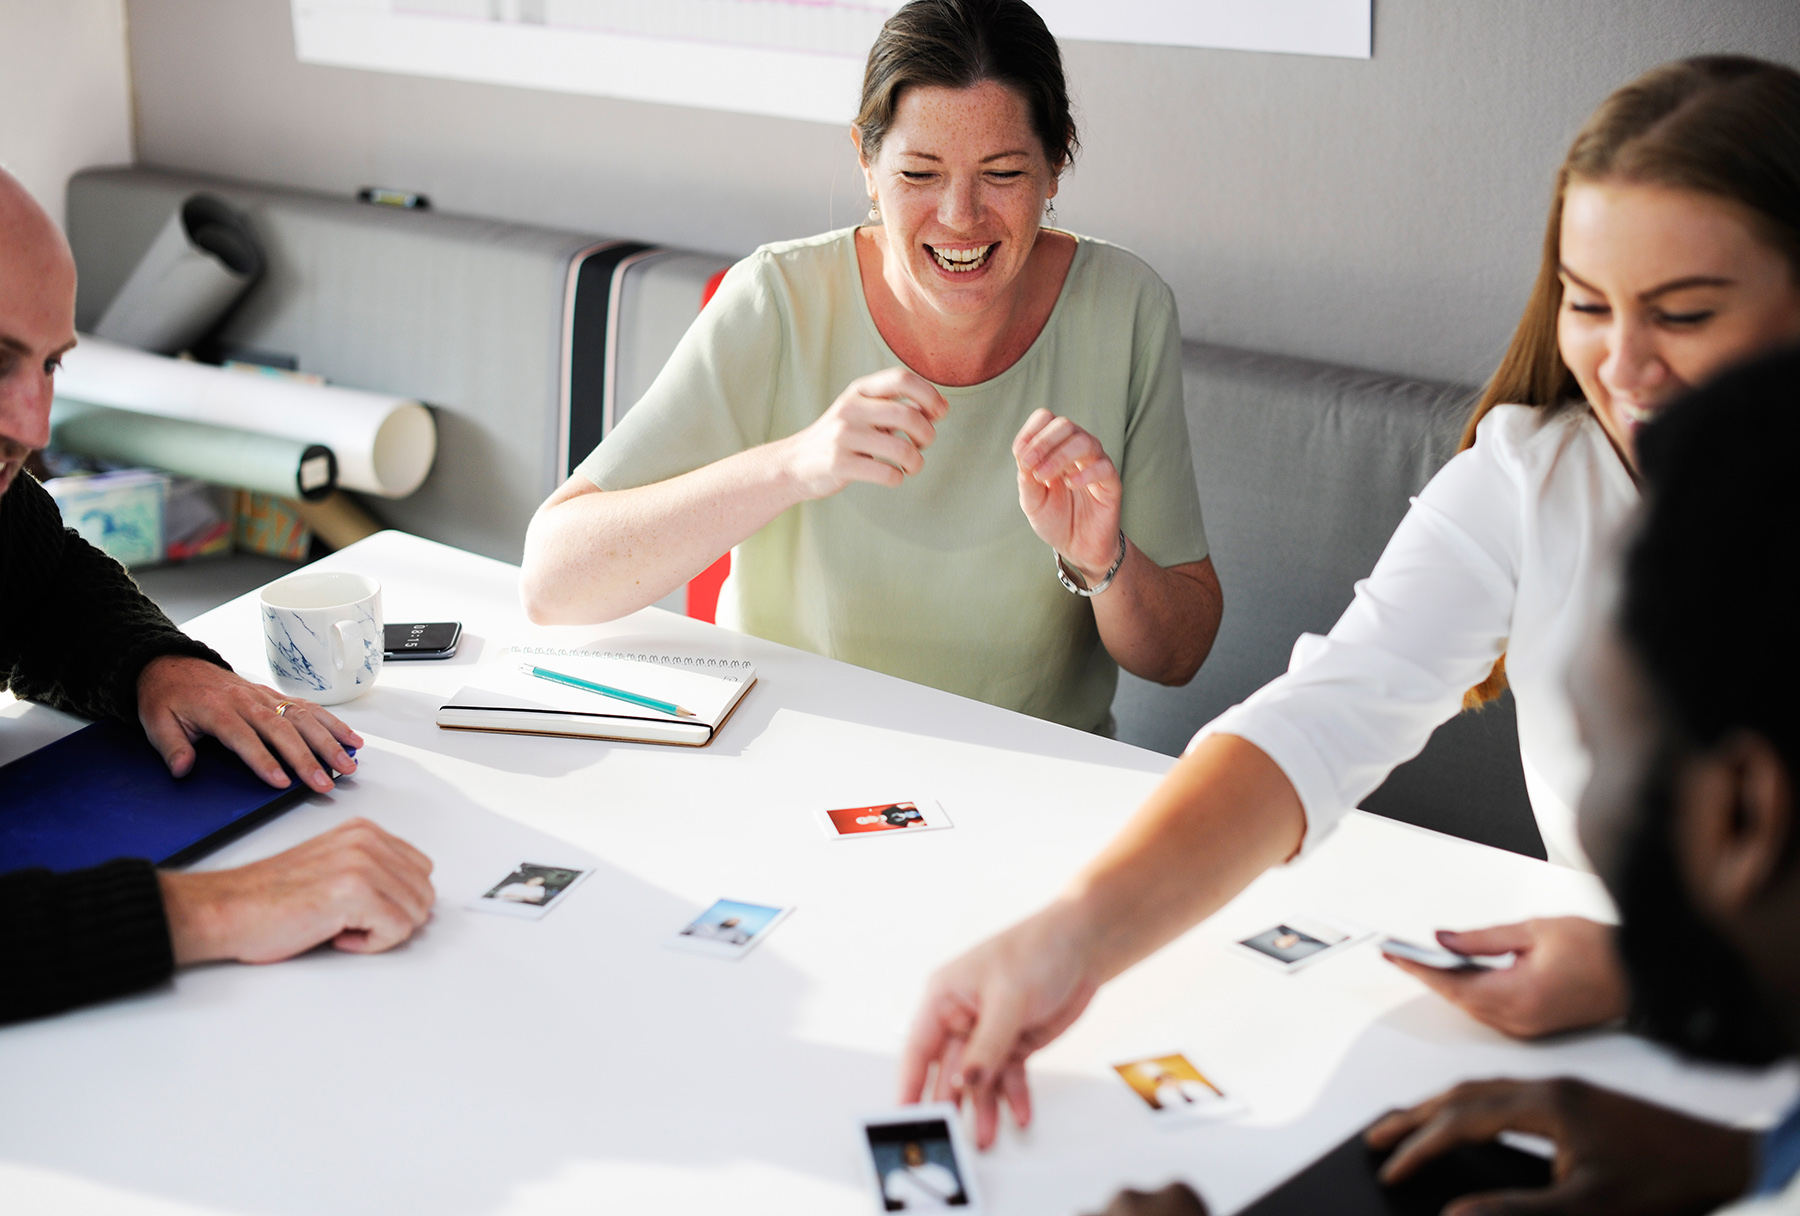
68 939
75 631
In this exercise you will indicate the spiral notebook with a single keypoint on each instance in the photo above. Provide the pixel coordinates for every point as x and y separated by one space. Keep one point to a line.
503 698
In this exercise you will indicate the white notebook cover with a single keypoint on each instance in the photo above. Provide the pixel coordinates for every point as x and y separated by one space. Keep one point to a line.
501 697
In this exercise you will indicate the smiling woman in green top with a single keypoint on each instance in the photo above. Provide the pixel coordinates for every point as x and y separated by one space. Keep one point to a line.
948 445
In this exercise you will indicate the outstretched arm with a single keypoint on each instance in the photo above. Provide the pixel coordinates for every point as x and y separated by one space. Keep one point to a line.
1223 815
593 555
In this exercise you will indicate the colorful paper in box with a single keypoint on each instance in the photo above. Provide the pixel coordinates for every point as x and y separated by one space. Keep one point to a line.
120 513
270 525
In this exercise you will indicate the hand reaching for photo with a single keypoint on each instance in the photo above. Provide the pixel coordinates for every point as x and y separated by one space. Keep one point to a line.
1565 975
986 1012
1070 491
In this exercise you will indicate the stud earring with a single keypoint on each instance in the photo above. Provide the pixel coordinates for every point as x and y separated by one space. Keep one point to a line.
874 212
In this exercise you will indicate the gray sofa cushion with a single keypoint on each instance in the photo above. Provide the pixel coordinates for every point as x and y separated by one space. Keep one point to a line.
1304 470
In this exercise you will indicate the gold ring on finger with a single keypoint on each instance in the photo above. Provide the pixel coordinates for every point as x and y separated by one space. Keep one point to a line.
281 710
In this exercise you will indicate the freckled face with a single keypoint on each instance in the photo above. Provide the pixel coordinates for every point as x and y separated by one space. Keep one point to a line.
37 324
1662 289
961 180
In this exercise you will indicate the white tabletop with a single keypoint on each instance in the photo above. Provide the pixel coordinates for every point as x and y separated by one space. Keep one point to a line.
574 1064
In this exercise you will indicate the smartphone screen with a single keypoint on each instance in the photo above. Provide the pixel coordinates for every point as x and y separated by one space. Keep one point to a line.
1431 956
429 640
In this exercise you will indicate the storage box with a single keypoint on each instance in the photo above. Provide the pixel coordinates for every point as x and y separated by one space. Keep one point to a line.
121 512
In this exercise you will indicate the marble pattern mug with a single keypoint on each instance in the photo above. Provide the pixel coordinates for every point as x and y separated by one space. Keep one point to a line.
323 634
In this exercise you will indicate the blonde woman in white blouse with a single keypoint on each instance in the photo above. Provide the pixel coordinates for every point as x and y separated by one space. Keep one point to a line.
1672 252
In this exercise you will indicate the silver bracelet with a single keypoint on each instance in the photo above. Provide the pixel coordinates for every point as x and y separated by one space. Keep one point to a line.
1072 580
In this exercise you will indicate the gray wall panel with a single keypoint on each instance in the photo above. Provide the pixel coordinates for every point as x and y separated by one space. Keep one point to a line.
463 314
1380 214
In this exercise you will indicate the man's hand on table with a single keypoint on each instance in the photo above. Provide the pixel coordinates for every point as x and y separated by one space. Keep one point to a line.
1176 1199
984 1013
356 886
1565 975
1615 1156
181 698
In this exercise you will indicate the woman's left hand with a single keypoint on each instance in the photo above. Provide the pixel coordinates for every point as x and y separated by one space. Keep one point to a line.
1070 490
1566 975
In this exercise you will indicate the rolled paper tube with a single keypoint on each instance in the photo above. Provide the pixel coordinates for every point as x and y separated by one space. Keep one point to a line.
337 520
384 444
198 266
289 468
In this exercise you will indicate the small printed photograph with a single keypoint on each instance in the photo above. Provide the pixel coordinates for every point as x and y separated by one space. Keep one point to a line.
916 1160
1293 944
923 815
530 890
729 928
1174 1089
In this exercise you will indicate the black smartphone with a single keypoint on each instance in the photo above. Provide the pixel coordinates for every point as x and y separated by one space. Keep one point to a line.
432 640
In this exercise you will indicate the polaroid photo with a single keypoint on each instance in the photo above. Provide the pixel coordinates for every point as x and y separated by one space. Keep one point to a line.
1175 1091
1300 942
916 1160
729 929
923 815
530 891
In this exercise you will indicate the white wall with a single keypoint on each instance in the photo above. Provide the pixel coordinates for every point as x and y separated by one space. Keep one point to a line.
1383 213
65 91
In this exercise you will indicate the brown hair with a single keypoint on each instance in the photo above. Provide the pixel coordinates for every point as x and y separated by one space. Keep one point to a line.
1725 125
958 44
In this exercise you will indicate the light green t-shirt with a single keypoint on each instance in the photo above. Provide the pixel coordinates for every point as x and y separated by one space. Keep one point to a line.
942 580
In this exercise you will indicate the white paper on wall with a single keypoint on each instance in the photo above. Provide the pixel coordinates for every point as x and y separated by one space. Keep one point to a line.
786 58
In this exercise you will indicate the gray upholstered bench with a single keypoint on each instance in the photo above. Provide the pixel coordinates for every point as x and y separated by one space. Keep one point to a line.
1304 470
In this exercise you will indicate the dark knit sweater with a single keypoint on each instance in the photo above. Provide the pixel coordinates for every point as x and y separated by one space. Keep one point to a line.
75 633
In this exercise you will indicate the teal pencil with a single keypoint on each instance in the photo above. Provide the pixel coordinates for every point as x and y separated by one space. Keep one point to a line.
617 694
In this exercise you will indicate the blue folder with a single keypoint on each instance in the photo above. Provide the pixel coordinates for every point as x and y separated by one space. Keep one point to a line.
104 792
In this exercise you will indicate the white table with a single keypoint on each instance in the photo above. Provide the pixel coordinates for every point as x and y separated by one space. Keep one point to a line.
576 1065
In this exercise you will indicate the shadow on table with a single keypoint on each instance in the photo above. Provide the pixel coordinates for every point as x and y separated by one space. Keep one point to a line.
790 679
489 1059
410 717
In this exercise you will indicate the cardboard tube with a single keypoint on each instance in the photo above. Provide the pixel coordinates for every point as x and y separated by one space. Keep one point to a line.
337 520
198 266
290 468
384 445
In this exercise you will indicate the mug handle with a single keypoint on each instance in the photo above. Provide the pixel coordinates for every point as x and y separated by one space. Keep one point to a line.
344 635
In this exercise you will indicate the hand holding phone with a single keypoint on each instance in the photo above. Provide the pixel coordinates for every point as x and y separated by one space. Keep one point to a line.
1431 956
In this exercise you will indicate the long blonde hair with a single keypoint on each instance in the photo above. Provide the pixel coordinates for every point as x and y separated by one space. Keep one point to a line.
1725 125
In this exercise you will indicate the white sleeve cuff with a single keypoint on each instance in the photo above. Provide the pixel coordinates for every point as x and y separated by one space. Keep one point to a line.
1298 760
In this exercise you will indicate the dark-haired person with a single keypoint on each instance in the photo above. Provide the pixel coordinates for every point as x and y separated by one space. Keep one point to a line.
1672 252
1691 819
77 634
948 444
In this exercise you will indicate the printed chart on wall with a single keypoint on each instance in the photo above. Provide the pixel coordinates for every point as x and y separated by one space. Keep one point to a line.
787 58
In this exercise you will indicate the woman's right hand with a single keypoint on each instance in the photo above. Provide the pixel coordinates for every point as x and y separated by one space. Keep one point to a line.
875 431
984 1013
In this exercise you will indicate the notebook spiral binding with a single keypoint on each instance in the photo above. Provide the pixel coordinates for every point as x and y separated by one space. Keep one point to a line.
723 668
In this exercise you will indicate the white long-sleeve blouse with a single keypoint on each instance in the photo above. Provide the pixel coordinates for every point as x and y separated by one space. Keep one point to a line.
1497 555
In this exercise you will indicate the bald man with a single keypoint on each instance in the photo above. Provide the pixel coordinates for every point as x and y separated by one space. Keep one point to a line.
77 634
